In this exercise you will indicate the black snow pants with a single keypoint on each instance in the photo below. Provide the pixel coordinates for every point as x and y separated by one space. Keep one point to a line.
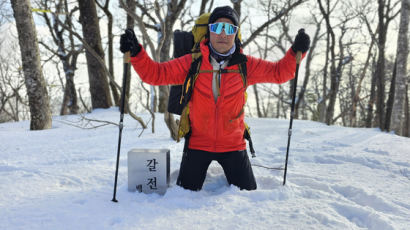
236 166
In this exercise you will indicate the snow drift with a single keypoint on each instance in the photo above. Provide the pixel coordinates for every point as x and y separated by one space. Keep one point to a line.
338 178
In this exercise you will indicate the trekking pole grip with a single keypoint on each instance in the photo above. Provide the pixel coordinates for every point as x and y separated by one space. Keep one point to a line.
298 57
127 57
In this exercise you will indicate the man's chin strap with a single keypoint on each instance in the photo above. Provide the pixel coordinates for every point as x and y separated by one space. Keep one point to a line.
221 57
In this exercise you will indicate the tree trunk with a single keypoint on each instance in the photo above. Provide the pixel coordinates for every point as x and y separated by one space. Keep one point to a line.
163 98
114 90
390 100
237 6
356 96
334 74
406 128
203 5
397 119
164 89
322 102
334 88
164 56
372 99
380 68
107 12
36 86
99 89
70 103
380 81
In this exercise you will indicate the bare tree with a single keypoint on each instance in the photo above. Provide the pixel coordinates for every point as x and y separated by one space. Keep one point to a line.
36 86
390 98
400 82
384 12
358 88
5 14
13 105
336 61
372 97
203 5
162 23
309 58
279 12
266 38
385 15
146 105
99 89
100 60
67 53
107 12
260 106
406 132
237 6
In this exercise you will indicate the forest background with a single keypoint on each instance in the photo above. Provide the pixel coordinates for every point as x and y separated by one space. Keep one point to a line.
356 72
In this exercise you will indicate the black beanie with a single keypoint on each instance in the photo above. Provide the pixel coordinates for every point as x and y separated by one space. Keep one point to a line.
224 12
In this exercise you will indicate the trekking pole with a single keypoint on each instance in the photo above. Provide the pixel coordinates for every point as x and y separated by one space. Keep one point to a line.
295 81
124 82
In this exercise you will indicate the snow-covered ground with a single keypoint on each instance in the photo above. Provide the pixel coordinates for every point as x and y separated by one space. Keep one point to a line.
338 178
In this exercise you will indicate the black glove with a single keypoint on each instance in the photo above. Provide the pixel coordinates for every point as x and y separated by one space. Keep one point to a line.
302 42
129 42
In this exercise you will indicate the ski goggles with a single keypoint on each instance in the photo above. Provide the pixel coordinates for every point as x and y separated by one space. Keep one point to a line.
217 28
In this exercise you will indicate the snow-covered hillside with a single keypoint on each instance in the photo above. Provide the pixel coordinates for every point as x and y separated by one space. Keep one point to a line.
338 178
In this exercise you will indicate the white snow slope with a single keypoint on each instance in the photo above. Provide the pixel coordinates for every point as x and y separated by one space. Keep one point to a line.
338 178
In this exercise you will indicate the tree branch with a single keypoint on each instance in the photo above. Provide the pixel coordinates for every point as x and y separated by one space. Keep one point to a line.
274 19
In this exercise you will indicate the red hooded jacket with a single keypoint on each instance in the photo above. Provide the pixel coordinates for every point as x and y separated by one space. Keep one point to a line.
216 127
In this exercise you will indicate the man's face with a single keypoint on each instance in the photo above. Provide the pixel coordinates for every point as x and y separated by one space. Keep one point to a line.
222 43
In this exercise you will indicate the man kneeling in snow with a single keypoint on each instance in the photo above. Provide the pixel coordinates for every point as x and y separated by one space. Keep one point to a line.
216 112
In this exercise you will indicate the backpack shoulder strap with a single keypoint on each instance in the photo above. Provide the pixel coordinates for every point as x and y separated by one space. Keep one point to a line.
196 65
187 88
191 78
196 54
243 72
